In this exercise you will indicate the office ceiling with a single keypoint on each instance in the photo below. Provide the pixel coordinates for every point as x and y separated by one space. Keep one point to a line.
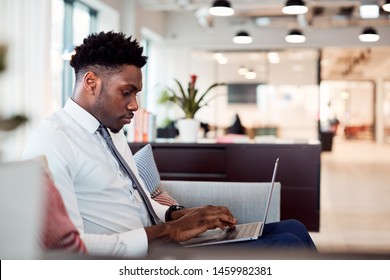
268 13
347 61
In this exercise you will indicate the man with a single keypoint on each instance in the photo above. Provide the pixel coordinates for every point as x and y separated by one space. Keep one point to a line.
98 193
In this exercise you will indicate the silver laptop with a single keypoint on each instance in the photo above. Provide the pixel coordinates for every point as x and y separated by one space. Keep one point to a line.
241 232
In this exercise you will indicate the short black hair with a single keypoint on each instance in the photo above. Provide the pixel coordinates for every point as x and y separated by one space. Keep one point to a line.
107 51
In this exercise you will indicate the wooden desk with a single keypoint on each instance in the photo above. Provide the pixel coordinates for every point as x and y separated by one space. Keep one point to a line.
298 172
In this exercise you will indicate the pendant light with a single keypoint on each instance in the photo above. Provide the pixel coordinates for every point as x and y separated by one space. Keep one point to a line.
221 8
250 75
369 35
294 7
273 57
242 37
242 70
295 36
386 6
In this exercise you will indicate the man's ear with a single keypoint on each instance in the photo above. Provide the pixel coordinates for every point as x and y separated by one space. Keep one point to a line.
90 82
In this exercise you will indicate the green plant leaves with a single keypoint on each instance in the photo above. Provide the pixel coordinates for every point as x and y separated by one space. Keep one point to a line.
188 100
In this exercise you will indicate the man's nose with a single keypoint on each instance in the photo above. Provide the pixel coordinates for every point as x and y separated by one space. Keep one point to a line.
133 105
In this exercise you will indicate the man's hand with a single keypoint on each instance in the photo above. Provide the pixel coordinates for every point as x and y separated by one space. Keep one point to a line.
191 222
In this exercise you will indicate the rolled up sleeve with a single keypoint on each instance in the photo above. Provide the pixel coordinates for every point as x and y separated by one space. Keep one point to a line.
133 244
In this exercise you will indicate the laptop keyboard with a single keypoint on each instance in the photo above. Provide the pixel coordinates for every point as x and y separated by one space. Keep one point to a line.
242 231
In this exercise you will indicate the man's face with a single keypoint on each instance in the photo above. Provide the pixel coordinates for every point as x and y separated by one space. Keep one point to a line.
116 102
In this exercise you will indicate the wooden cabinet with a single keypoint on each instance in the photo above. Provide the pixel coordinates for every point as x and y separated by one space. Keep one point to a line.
298 172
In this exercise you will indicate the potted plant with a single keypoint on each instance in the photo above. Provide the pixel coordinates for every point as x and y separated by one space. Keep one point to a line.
9 123
190 101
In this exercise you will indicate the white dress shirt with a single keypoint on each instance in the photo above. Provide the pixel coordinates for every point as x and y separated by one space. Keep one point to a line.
98 195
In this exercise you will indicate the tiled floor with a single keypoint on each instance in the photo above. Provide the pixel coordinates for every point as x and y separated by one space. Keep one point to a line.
355 199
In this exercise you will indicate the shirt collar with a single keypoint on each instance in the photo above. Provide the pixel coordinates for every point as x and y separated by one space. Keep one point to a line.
81 116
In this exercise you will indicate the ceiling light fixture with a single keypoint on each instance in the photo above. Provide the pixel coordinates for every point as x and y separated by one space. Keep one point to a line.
242 70
295 36
242 37
369 35
386 6
344 95
221 58
218 55
273 57
295 7
369 11
250 75
221 8
262 21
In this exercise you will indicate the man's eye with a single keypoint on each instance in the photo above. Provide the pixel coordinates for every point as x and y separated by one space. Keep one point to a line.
129 93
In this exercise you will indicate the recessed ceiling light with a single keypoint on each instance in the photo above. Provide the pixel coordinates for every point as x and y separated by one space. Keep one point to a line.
369 11
262 21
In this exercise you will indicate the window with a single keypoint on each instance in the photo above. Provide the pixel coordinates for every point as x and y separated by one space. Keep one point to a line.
72 21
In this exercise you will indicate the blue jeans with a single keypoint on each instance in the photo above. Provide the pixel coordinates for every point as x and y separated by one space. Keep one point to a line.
283 235
288 236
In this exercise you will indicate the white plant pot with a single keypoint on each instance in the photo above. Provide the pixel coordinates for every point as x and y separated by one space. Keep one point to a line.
188 130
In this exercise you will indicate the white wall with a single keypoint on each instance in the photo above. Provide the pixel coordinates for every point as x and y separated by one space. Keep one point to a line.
25 88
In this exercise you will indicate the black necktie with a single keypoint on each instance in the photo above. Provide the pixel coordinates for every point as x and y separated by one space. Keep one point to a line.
106 135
